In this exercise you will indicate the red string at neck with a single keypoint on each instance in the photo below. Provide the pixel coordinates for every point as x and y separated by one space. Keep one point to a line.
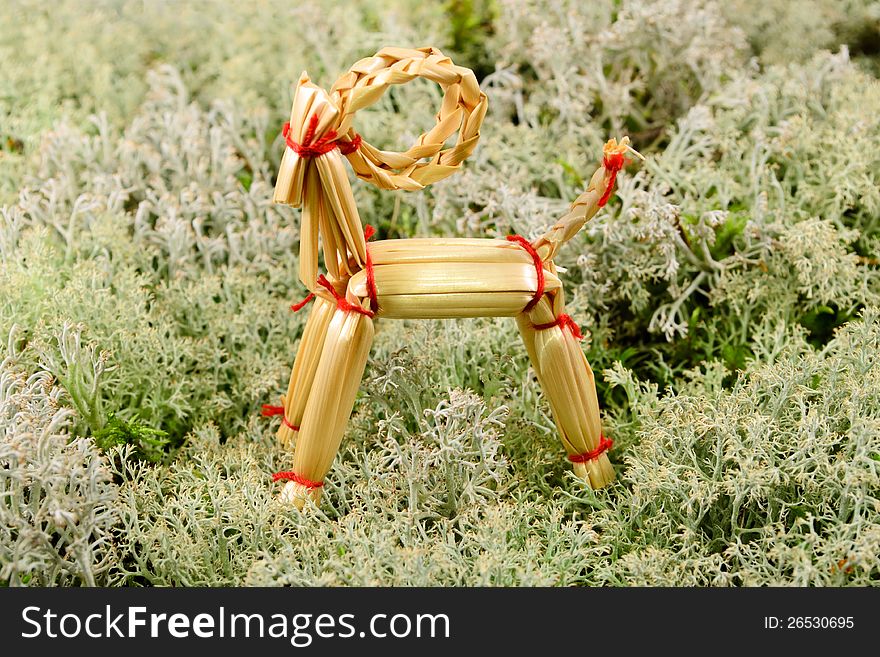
299 479
563 321
369 231
341 302
325 144
270 411
613 163
539 268
604 445
349 147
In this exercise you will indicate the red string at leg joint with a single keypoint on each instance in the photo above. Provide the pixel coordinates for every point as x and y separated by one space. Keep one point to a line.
539 268
298 479
604 445
270 411
563 321
341 302
369 231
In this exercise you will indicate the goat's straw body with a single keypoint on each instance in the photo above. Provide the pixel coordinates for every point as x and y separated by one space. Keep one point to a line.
446 249
419 287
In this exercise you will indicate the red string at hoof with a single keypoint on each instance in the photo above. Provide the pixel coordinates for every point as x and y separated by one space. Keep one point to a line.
270 411
604 445
563 321
292 476
325 144
369 231
539 268
613 164
341 302
296 307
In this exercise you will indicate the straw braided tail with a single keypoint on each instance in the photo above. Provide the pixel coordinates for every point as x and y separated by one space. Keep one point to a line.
587 204
320 133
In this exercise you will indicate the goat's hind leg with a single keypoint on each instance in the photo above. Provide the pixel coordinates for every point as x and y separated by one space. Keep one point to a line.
567 380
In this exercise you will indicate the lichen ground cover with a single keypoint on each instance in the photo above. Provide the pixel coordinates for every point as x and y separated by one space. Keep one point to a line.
728 294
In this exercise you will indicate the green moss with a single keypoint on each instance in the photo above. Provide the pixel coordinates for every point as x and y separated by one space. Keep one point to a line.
148 443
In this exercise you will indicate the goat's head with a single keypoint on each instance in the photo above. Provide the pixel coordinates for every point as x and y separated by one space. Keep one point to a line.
320 133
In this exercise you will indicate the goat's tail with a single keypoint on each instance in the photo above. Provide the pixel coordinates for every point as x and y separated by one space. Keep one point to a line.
587 204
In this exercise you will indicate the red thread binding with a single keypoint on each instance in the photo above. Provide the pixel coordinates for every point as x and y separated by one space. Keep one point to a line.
292 476
269 411
613 164
296 307
341 302
604 445
369 231
563 321
324 145
539 268
349 147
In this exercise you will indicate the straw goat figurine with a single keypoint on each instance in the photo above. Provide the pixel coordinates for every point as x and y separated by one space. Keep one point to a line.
415 278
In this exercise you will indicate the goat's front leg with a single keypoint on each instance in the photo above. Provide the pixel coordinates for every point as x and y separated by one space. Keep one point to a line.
329 393
302 376
551 339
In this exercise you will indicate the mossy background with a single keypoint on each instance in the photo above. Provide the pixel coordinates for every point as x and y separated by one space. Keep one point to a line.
729 294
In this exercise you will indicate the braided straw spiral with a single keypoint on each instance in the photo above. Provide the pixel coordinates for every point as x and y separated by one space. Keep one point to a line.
320 132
